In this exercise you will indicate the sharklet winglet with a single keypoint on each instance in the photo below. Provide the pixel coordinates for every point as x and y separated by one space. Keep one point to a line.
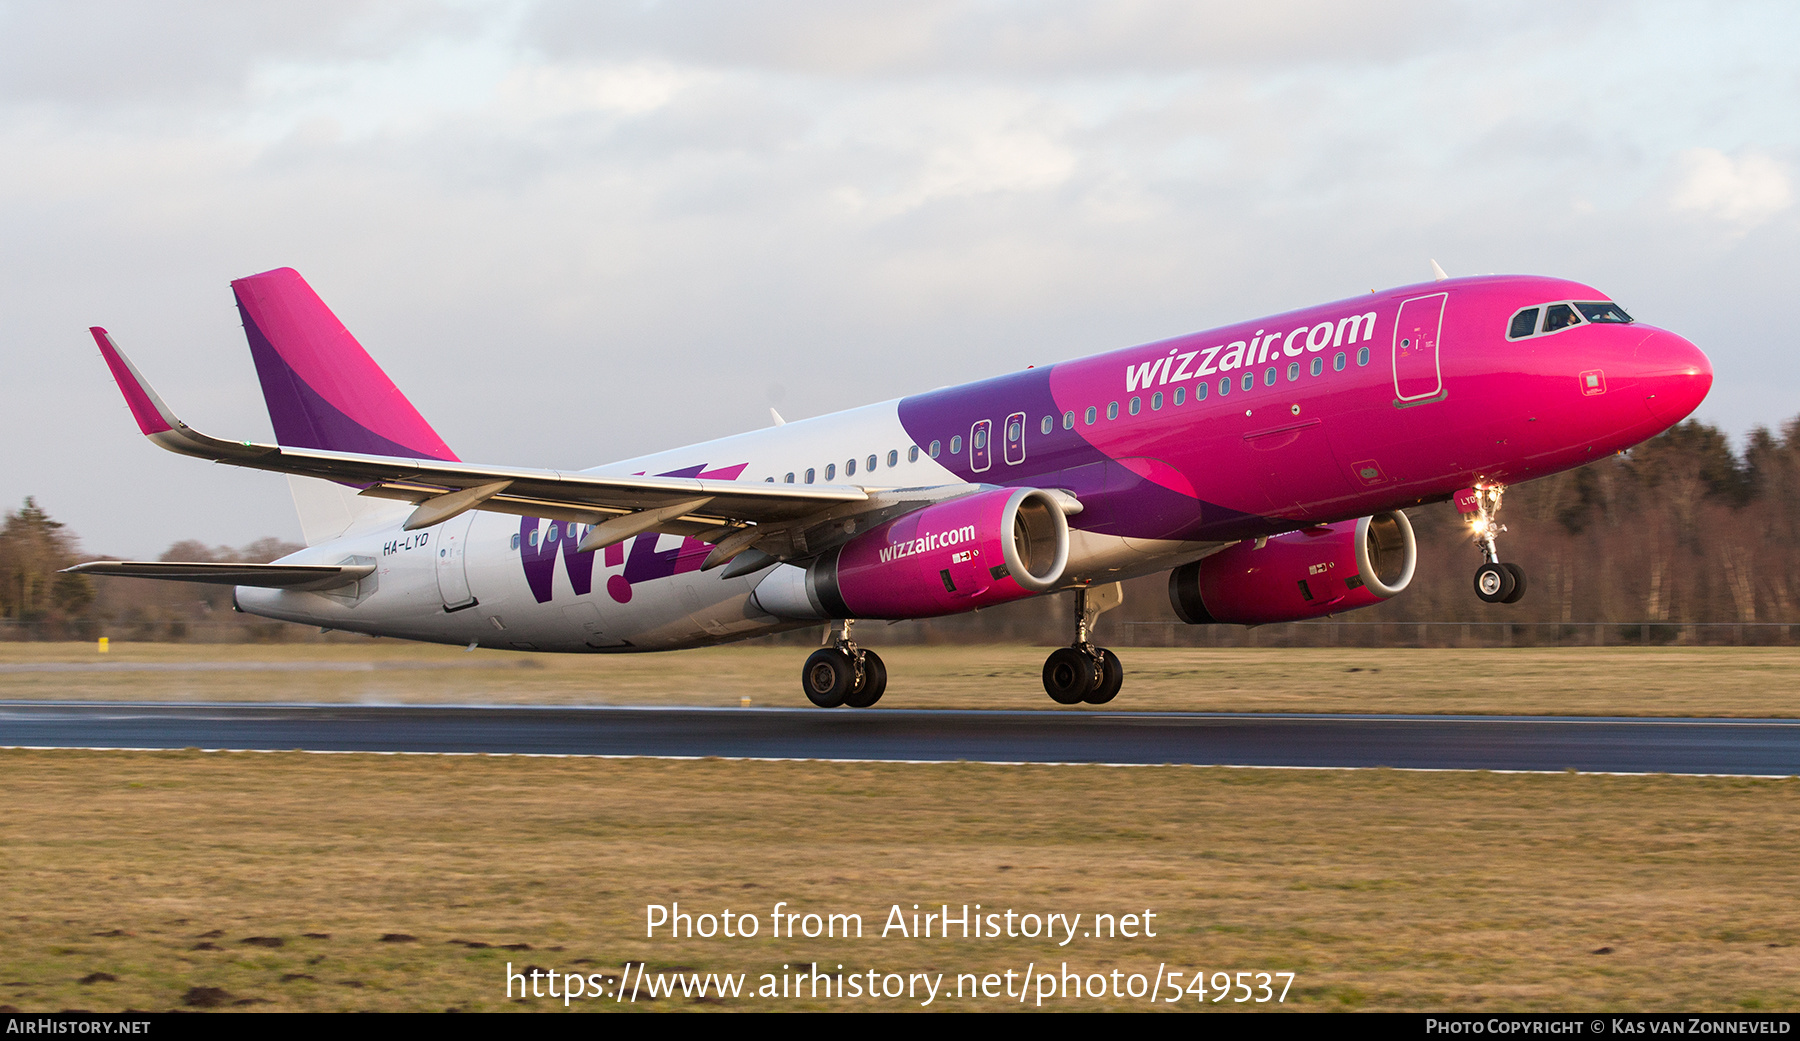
153 417
158 422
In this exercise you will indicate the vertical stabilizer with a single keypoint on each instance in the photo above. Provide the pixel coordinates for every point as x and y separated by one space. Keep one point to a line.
323 390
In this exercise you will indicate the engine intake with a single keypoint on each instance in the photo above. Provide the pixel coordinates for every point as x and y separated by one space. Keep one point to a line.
1303 574
986 548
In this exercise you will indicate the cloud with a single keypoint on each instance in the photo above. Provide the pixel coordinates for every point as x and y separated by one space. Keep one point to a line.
848 38
1744 191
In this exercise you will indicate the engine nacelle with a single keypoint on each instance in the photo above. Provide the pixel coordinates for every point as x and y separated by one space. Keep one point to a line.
987 548
1302 574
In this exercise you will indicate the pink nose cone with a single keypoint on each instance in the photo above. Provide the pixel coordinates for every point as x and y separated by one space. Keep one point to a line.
1676 375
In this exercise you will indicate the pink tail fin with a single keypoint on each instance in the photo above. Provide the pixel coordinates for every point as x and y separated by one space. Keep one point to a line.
323 390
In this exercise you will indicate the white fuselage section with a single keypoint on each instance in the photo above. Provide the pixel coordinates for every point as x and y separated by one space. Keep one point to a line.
467 581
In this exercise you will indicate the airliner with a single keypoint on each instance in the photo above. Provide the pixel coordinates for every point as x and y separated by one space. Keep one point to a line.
1266 466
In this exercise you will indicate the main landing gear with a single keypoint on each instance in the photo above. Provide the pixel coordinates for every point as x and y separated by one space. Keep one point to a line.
843 673
1083 672
1495 582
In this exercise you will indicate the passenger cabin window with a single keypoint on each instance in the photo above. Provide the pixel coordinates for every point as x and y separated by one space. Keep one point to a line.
956 445
1200 390
1156 401
1337 363
830 471
1090 415
912 454
871 464
1137 405
935 446
1318 364
1523 324
894 457
809 475
849 468
1559 316
1048 424
515 540
1069 421
1112 410
1181 395
1362 356
789 479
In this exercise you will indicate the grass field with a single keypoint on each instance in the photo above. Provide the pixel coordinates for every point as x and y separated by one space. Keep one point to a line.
271 879
1723 681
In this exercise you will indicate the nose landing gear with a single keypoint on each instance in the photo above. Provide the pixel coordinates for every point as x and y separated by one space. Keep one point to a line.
1083 672
843 673
1496 582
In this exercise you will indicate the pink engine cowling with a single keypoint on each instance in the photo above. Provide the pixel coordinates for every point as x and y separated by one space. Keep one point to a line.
1302 574
953 556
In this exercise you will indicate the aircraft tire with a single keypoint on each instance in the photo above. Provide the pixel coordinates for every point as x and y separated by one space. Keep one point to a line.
1518 593
1068 676
1108 678
827 677
1494 583
874 682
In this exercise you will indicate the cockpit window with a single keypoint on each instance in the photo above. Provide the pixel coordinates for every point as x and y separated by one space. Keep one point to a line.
1559 316
1523 324
1603 312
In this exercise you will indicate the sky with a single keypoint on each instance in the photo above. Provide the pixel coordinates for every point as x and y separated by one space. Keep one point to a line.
577 232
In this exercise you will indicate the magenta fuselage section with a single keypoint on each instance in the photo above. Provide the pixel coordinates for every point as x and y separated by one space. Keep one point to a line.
1323 414
944 559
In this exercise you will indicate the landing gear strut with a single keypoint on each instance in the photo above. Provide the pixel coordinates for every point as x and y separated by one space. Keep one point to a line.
1084 672
843 673
1495 582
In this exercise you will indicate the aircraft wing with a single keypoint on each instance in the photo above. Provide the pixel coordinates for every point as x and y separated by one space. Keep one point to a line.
272 576
619 507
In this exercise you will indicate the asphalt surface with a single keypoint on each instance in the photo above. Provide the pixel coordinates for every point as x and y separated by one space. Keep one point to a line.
1600 744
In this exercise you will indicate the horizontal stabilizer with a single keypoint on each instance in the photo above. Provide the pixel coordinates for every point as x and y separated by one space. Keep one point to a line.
268 576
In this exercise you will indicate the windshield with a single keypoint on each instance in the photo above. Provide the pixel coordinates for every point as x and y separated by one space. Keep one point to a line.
1603 312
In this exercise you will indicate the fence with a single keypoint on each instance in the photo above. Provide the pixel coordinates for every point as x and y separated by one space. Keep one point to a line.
1459 634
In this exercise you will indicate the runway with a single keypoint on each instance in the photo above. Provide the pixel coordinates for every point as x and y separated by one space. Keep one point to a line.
1766 747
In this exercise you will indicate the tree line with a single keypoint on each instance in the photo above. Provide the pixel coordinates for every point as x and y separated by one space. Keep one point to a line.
1682 538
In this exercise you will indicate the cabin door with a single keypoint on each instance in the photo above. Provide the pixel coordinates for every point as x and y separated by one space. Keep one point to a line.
1417 374
452 555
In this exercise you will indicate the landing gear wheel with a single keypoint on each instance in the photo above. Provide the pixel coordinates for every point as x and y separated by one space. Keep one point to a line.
873 684
1108 678
828 676
1518 593
1494 583
1068 676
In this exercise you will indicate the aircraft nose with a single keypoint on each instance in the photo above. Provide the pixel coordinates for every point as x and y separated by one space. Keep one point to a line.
1676 375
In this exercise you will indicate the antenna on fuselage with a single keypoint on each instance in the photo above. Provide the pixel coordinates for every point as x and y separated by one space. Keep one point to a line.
776 416
1438 272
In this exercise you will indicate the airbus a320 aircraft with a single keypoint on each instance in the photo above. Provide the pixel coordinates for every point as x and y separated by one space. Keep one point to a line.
1264 465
